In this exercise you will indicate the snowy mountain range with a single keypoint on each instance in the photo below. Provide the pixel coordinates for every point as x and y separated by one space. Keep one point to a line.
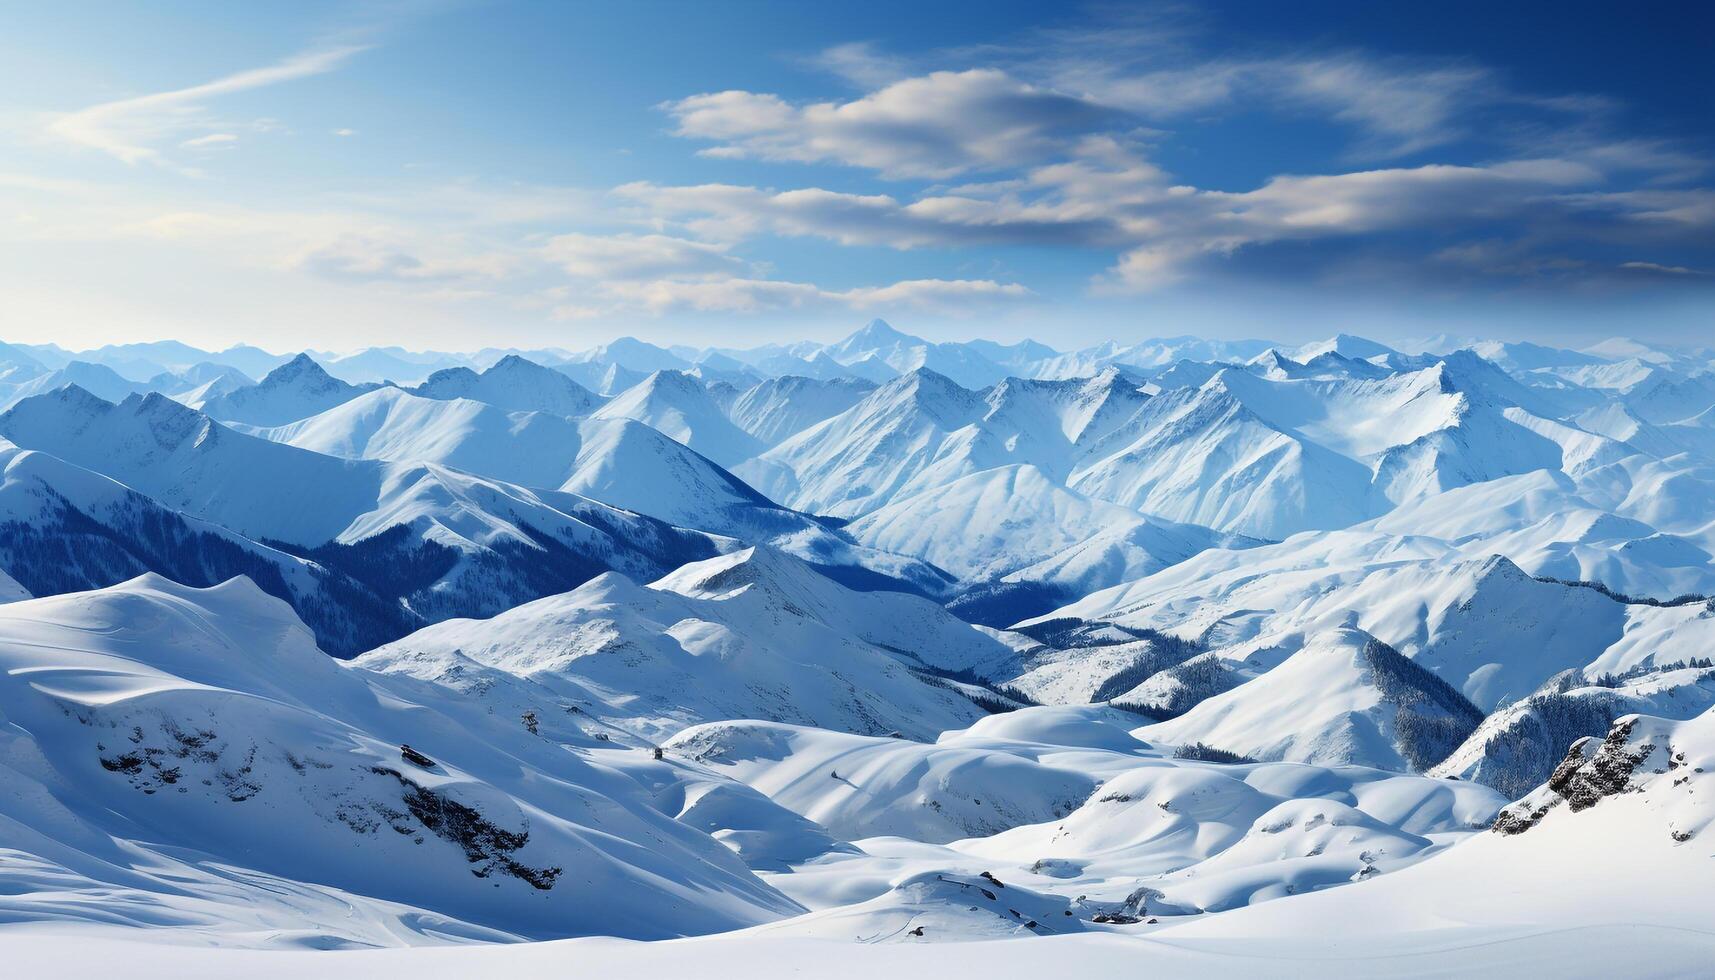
1161 647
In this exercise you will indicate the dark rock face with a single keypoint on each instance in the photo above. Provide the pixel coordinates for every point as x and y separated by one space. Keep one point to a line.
488 847
1590 773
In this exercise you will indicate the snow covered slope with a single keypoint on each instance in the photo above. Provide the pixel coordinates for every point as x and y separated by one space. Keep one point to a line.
877 343
97 378
66 529
781 407
638 356
617 461
516 385
863 786
677 405
1518 746
754 634
1343 698
176 755
923 431
1317 447
455 544
1015 521
1300 620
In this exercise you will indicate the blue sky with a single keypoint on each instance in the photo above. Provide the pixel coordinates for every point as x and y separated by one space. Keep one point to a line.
459 175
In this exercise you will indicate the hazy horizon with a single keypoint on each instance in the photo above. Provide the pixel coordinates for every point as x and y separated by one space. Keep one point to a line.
1407 345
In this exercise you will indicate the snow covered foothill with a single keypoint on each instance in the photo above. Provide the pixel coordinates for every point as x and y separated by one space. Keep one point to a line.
1158 836
866 786
754 634
1343 698
166 744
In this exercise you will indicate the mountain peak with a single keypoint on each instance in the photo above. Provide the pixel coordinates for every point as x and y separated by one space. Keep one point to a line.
928 380
879 328
1345 344
73 398
516 365
876 334
297 370
169 422
672 380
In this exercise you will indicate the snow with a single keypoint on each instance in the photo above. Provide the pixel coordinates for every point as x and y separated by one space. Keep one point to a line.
1348 717
678 406
972 526
1323 612
294 390
775 409
860 786
754 634
515 384
617 461
614 460
499 533
97 378
173 750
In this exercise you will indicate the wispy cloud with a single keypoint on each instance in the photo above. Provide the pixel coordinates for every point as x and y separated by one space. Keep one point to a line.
1107 198
736 295
1664 270
133 130
211 140
628 256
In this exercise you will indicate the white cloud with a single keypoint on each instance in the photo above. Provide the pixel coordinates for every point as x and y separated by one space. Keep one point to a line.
1692 209
1398 108
212 140
1666 270
1402 109
630 256
739 295
131 129
361 258
1166 68
950 295
660 273
933 126
860 63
